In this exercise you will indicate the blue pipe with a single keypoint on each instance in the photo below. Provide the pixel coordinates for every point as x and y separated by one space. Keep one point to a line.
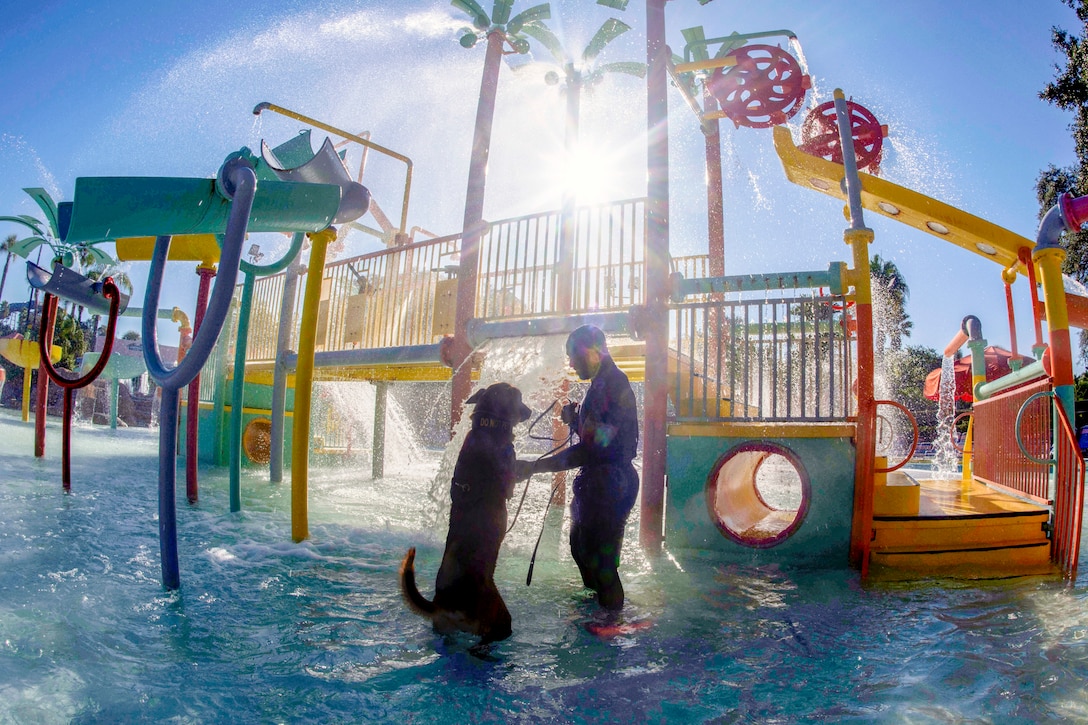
240 182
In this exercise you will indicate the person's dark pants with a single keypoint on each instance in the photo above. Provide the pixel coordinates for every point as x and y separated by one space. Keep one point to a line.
603 498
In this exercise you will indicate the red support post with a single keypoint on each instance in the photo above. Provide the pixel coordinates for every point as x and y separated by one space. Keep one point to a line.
192 400
657 279
42 400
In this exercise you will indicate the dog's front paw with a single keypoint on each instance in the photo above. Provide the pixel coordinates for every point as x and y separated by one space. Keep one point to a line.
522 470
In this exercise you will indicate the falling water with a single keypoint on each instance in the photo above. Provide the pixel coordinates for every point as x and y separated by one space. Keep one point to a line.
946 457
537 367
349 409
799 53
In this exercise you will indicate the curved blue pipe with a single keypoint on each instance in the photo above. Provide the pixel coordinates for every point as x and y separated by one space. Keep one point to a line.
240 177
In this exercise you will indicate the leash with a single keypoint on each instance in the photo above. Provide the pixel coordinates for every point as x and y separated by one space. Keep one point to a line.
543 523
525 490
547 507
564 442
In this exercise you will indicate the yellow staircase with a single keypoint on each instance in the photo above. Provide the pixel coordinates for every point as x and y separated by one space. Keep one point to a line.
955 528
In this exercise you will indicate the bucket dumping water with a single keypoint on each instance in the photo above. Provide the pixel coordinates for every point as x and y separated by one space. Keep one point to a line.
324 167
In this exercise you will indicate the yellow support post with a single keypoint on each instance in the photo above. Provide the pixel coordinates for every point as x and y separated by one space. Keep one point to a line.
304 378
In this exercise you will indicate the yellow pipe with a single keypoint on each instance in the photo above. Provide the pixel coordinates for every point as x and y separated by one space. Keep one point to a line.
967 472
708 64
1049 261
304 378
357 139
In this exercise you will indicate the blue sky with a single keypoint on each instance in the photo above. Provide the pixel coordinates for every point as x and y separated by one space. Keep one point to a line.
135 89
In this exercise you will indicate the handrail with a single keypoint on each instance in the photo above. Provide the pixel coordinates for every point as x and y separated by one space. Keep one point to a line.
832 277
49 309
266 106
1023 375
1068 514
1016 429
952 430
914 439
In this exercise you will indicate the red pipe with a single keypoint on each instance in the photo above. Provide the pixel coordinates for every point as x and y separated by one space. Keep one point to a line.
1037 309
655 394
49 309
192 401
1012 319
45 332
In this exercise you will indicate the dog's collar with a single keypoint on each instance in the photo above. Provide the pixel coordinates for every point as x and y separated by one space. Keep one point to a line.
483 421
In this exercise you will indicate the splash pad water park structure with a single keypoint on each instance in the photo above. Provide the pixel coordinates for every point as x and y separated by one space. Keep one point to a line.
753 369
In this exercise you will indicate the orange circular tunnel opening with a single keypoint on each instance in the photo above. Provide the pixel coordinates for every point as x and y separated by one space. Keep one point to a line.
758 494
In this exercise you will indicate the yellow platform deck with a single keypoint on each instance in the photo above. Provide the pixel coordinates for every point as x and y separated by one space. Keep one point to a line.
957 528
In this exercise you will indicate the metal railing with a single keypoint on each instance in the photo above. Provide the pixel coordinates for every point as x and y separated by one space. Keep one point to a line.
775 359
519 267
406 295
996 458
1068 496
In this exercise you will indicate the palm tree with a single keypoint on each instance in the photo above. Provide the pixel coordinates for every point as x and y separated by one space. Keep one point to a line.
578 74
97 272
896 323
77 255
6 247
501 31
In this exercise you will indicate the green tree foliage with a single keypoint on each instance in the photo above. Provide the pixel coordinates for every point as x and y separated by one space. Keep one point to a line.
68 335
906 374
889 285
6 247
1069 91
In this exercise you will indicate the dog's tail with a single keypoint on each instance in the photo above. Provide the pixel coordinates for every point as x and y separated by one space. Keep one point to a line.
416 602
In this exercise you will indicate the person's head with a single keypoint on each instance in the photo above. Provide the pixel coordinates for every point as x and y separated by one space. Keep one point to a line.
585 348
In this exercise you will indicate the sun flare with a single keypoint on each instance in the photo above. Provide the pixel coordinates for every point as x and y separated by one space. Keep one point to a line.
590 174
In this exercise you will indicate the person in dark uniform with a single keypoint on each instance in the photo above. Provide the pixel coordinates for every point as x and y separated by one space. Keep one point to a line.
606 487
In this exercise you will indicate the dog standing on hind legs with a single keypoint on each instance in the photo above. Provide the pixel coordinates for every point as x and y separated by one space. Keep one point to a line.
466 597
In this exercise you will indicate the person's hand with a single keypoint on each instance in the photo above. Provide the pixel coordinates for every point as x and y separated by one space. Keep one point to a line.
522 470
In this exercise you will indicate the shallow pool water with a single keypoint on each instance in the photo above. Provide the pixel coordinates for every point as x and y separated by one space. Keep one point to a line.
265 630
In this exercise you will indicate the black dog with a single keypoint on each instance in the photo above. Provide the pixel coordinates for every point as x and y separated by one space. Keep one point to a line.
466 597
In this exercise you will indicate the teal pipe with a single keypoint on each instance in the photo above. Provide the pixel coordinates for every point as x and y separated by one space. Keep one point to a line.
237 394
830 278
115 392
1024 374
238 389
735 40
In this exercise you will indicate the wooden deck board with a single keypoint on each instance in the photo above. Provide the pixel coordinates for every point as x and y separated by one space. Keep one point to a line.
943 499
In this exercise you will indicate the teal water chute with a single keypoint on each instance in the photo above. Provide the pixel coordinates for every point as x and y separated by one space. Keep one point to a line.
129 206
231 205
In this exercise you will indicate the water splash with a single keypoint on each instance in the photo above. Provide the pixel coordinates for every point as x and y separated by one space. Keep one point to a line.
19 146
946 457
537 367
351 410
